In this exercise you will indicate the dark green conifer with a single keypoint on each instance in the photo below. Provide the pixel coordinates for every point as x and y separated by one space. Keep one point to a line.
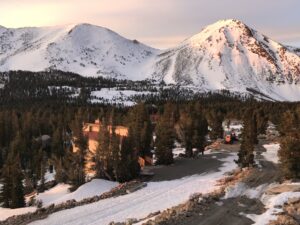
165 136
249 140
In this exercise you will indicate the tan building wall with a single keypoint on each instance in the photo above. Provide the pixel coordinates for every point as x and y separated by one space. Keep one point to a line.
91 131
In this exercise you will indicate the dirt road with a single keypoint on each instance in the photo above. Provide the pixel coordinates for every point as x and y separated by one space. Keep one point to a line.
224 211
186 167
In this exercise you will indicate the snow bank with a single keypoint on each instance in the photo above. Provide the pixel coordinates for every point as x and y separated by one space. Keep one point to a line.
272 152
50 176
5 213
156 196
178 149
54 194
60 193
272 204
241 189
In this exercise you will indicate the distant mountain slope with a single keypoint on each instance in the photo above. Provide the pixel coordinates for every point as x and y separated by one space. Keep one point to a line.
85 49
225 55
230 55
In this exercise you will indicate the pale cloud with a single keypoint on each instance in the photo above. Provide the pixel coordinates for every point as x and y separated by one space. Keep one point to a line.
160 23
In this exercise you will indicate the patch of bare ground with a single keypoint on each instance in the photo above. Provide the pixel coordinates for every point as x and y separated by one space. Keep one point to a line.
283 188
290 214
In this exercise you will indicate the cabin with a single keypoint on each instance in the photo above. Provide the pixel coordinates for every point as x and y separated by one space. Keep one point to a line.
91 131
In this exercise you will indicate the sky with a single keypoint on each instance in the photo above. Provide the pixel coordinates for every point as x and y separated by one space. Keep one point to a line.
158 23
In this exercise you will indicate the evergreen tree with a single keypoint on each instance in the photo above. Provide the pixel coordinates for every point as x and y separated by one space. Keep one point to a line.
140 129
57 143
215 119
200 130
115 146
103 154
289 153
289 124
79 155
62 165
42 170
18 199
5 192
165 136
262 121
249 139
12 191
127 168
18 146
186 132
2 131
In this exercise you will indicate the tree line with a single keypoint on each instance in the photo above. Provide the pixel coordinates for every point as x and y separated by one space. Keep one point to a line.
25 156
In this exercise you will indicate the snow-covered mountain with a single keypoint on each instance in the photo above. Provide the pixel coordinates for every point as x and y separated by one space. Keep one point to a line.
225 55
84 49
230 55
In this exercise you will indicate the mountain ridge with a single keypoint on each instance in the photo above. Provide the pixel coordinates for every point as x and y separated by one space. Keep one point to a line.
230 55
225 55
83 48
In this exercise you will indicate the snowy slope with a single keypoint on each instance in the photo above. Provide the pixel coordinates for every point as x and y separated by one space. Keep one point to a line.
114 96
155 196
84 49
225 55
6 212
230 55
60 193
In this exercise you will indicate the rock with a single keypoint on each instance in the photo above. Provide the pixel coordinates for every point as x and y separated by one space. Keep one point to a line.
130 221
293 201
290 214
283 188
293 208
284 220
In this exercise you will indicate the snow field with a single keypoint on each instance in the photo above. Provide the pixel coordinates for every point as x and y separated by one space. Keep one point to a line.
112 95
272 152
154 197
60 193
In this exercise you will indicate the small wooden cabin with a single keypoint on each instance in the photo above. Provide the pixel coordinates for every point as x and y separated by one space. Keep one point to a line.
91 131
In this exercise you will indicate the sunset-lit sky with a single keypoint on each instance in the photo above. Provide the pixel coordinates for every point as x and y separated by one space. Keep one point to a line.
159 23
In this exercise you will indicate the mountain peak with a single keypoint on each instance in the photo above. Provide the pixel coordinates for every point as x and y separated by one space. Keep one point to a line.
228 27
84 28
225 22
87 25
228 23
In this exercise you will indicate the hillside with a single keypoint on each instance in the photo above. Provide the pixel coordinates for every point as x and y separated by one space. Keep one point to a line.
230 55
225 55
85 49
